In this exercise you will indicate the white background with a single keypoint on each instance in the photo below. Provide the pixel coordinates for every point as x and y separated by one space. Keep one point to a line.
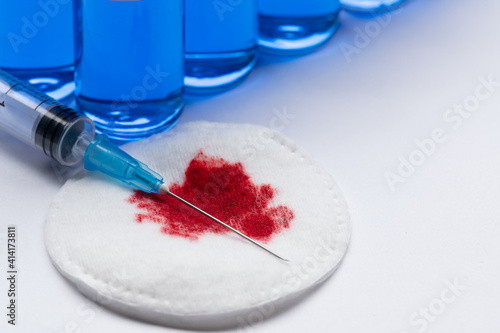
439 226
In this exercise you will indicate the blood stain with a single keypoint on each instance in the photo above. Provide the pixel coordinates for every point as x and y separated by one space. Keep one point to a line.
223 190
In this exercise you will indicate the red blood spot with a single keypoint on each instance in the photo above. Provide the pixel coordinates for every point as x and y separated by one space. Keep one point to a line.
221 189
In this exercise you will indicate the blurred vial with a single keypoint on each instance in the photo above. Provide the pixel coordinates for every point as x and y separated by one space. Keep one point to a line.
293 27
129 65
36 44
220 43
369 6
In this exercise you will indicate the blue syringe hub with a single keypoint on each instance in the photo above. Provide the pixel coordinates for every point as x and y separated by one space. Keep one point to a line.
103 156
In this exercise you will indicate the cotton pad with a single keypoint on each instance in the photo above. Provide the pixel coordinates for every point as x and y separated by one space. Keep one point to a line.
149 257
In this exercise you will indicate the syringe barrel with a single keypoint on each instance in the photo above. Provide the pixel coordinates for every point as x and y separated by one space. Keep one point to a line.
42 122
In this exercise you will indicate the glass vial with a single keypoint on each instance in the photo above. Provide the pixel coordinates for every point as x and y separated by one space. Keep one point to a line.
370 6
129 65
36 44
294 27
220 43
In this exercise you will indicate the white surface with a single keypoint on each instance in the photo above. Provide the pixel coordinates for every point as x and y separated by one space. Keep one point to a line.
356 118
93 237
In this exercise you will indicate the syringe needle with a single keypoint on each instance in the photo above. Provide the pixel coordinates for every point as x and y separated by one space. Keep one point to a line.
69 137
164 190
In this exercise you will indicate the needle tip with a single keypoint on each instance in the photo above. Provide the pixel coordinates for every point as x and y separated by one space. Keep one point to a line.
164 190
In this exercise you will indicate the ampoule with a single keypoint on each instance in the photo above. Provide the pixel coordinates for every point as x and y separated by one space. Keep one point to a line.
36 44
370 6
129 65
220 43
292 27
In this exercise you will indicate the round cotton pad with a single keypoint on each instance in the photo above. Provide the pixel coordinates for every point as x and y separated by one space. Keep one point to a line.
150 257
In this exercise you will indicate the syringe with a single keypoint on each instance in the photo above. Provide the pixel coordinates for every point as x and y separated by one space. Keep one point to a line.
69 137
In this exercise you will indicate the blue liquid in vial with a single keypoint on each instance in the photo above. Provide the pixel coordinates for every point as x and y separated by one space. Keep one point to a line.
220 43
370 6
129 65
293 27
36 44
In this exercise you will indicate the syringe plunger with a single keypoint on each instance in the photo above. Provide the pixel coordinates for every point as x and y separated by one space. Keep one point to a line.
41 121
